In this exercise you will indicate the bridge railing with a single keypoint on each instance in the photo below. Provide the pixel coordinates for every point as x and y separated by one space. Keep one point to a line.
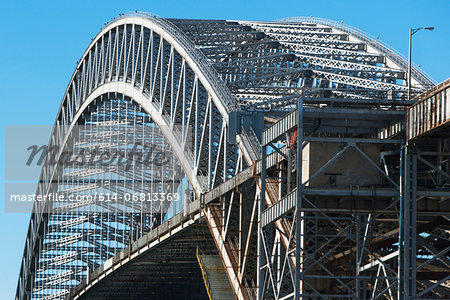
430 112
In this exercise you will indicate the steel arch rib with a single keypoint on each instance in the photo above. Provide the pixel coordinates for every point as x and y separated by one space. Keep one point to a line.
195 58
128 90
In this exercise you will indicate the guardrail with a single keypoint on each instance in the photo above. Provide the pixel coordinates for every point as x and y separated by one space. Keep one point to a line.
430 112
202 268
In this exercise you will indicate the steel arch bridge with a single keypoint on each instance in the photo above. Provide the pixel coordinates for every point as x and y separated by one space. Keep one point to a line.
212 88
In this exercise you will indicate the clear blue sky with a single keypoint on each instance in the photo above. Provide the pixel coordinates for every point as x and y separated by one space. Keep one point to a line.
41 40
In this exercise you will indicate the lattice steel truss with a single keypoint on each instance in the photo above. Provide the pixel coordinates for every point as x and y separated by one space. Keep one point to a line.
211 87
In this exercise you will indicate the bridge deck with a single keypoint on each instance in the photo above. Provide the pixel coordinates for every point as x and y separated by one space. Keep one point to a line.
153 265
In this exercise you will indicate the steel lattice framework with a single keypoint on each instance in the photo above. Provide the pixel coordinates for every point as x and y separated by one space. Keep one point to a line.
211 87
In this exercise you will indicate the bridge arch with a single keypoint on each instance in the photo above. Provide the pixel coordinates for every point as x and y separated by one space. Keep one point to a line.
185 77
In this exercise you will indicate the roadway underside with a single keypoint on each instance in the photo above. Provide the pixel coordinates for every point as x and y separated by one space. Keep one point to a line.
169 270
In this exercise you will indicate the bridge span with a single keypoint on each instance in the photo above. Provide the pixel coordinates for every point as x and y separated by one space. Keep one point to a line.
301 168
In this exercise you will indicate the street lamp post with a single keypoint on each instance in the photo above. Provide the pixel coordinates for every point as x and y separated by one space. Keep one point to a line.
401 283
412 31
